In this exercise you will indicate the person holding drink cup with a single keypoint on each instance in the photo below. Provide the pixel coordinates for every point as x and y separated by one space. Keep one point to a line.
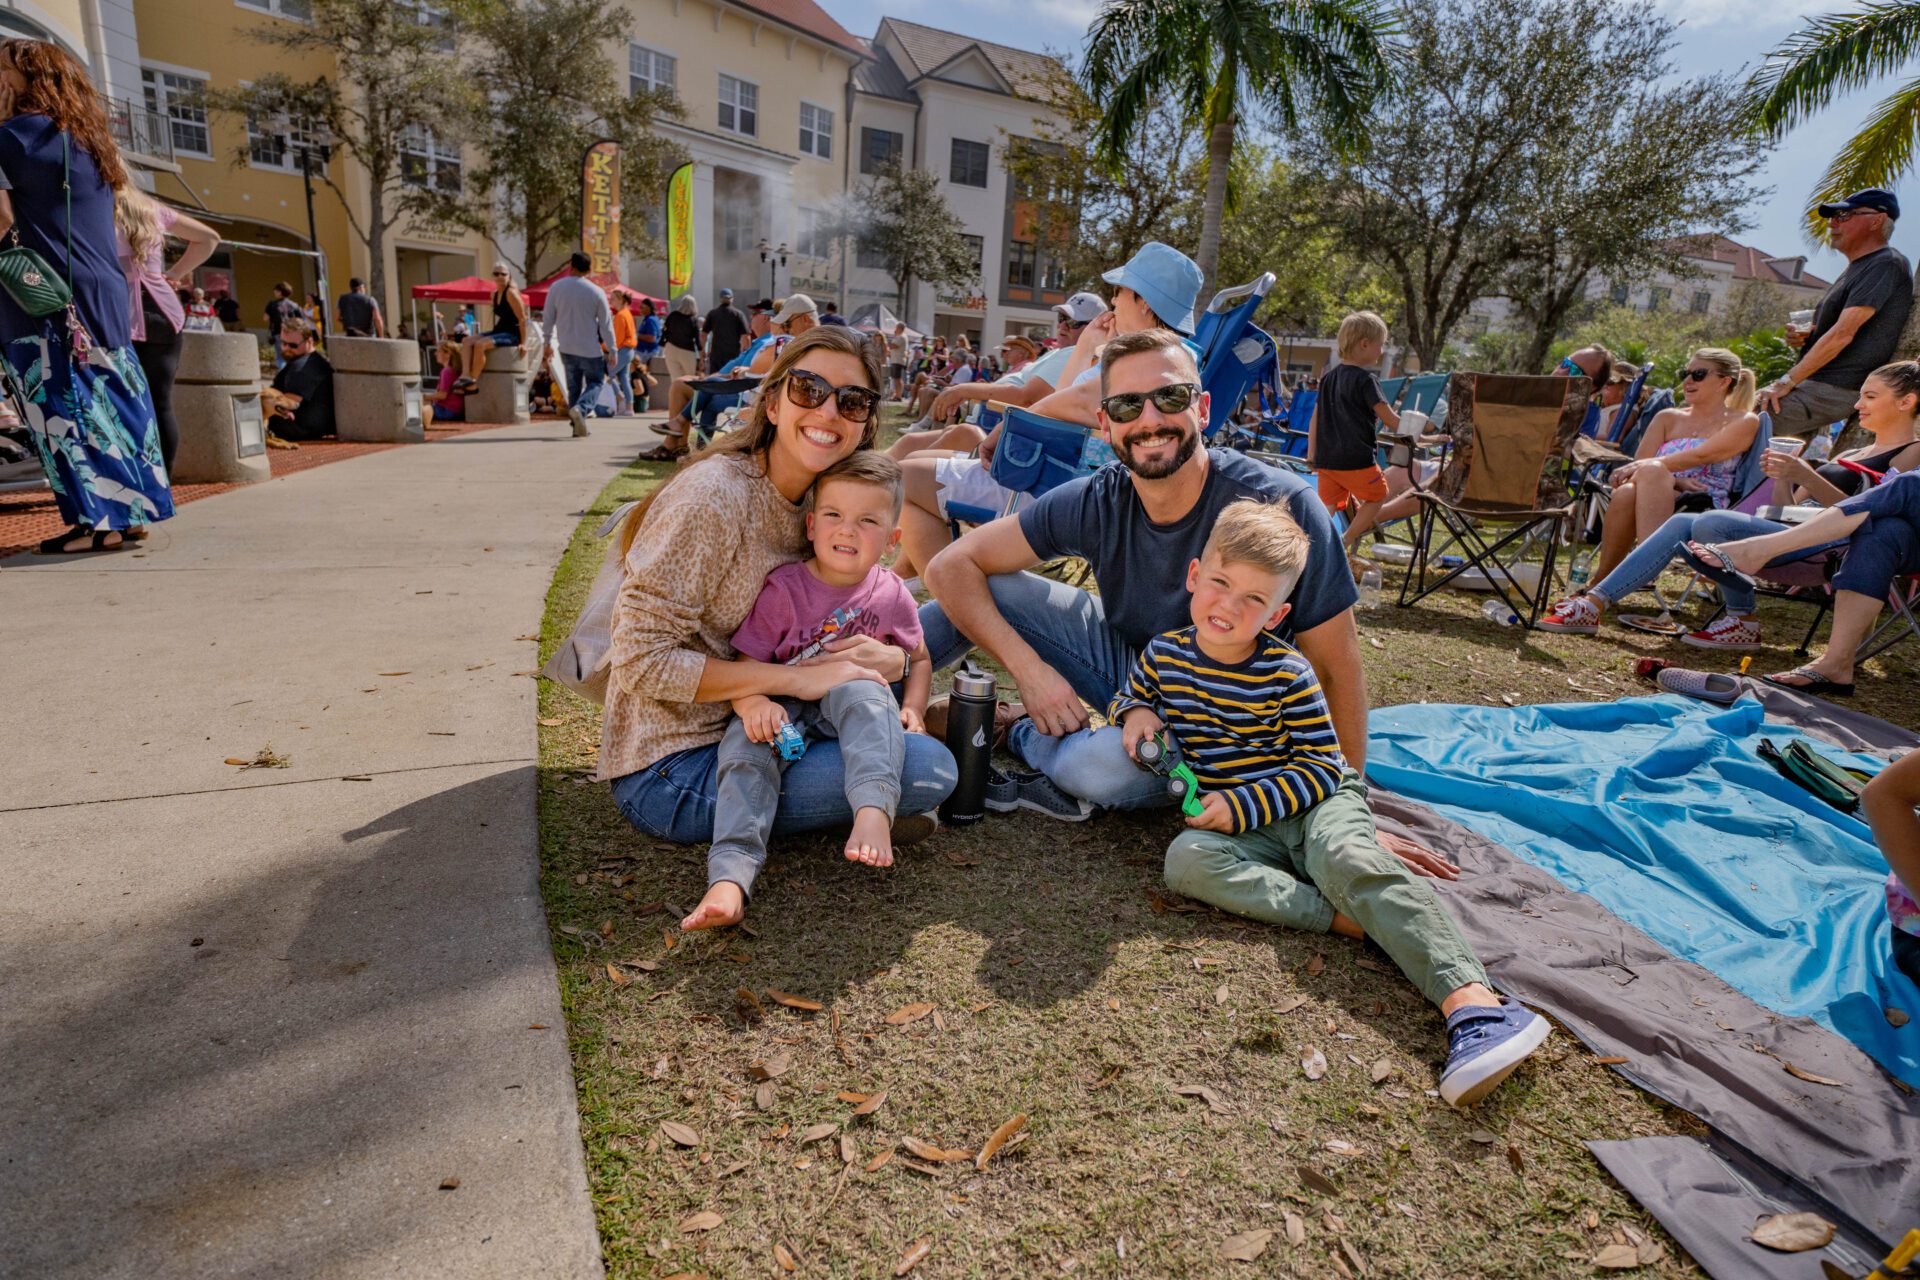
1855 326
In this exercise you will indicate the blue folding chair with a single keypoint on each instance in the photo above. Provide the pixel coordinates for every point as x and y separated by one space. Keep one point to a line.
1392 389
1423 392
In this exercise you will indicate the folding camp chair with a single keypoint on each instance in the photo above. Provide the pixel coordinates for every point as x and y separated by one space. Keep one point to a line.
1392 388
1423 393
1508 466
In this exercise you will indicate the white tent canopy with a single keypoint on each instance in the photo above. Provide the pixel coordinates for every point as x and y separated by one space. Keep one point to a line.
879 316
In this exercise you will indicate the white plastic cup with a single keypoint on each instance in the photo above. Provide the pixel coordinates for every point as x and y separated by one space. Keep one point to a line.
1413 422
1785 444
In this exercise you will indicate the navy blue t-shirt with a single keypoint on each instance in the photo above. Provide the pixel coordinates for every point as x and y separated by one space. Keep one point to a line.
1141 566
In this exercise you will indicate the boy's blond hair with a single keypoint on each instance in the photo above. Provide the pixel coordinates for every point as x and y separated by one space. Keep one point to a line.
1264 535
1358 328
865 466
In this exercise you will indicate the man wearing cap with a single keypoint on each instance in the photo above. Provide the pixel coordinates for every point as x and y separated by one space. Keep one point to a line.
1856 323
726 328
796 315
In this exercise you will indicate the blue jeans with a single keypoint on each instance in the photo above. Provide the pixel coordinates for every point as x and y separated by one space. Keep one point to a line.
673 798
622 384
1888 544
1644 563
584 376
1068 629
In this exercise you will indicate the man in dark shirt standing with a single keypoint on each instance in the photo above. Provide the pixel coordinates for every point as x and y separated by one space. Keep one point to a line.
358 314
227 310
1856 324
281 309
726 331
301 401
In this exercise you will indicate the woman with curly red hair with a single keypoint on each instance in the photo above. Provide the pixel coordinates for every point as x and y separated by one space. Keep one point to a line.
86 399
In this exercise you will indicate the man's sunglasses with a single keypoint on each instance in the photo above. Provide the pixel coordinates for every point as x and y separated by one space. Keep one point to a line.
1846 215
810 391
1175 397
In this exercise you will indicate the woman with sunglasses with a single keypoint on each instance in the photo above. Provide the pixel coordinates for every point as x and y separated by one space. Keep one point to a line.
1693 448
697 553
509 330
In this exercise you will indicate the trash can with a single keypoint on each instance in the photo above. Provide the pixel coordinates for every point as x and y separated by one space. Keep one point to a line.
376 389
216 399
504 387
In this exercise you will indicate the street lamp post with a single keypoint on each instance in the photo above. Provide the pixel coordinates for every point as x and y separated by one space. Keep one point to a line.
776 260
313 148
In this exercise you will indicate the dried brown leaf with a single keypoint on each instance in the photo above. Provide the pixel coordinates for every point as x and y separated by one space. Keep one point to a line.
1202 1092
1380 1070
1793 1232
1617 1257
680 1134
1610 1060
1220 994
815 1132
914 1256
849 1150
1353 1256
1318 1181
551 722
871 1103
999 1140
791 1001
879 1162
705 1220
1246 1246
763 1095
1482 1137
1313 1063
783 1256
1289 1004
1811 1078
1516 1158
449 1183
778 1065
1296 1230
936 1155
908 1013
748 1004
618 978
1317 965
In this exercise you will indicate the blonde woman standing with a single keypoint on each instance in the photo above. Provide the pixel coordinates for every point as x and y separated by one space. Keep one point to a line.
1695 447
141 226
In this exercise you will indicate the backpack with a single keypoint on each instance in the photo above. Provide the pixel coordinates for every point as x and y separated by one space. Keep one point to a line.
580 663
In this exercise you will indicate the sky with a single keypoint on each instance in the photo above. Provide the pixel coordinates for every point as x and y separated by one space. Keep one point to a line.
1714 36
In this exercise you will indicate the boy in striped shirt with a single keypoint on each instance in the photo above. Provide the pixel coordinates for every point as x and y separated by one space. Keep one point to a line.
1284 833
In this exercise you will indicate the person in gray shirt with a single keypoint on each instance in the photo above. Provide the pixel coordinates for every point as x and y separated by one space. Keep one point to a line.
1856 324
580 324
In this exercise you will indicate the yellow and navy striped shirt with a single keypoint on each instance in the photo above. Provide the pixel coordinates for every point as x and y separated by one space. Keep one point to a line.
1258 732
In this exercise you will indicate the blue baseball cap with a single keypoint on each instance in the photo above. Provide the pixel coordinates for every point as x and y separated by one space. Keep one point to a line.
1873 198
1166 279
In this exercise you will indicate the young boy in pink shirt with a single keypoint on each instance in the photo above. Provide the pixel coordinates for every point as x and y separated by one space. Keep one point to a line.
841 590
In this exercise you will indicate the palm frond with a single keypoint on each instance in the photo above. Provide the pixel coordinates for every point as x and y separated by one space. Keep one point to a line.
1833 54
1877 156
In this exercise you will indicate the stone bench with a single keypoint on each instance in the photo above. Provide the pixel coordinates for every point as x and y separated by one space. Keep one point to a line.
504 385
376 389
216 398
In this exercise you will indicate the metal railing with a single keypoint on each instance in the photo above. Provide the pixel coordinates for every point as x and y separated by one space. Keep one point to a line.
138 130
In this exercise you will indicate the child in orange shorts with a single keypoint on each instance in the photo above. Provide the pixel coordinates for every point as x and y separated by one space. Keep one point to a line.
1347 417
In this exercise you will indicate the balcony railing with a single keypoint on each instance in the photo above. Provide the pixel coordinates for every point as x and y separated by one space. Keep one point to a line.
140 131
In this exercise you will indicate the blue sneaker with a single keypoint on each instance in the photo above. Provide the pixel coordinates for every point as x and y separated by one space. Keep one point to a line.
1031 789
1484 1046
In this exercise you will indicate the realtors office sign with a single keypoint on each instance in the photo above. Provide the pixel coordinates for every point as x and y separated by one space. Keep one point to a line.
600 206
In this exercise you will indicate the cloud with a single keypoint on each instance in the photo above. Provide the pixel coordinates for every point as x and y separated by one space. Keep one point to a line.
1780 15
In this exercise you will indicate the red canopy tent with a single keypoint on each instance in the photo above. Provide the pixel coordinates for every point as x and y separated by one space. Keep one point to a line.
536 294
465 289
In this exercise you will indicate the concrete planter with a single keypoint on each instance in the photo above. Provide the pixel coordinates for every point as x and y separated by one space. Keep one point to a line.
217 401
376 389
504 386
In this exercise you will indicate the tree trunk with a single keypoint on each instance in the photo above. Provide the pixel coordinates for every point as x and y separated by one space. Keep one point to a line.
1534 354
377 242
1219 162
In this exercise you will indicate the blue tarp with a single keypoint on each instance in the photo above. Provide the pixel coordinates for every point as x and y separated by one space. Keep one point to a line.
1662 810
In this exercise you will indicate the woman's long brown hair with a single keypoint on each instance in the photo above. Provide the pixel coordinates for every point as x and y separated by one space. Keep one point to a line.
756 435
58 87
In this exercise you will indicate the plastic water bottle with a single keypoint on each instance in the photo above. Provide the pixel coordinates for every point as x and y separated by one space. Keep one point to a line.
1370 588
1496 611
1579 573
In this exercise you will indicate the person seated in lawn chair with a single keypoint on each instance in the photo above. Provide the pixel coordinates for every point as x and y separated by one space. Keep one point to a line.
1138 525
1283 833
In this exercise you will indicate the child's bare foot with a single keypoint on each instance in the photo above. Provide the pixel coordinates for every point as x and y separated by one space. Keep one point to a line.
724 904
872 839
1346 927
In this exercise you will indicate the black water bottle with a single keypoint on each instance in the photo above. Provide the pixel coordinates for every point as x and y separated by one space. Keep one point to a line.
970 707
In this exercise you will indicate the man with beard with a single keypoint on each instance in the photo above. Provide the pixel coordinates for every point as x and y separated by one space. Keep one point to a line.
1138 525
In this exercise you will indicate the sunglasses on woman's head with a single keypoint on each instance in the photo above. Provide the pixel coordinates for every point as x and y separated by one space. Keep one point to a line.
810 391
1175 397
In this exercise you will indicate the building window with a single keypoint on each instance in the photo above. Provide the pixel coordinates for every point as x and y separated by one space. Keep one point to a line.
427 162
1020 263
182 100
872 259
736 225
433 16
1055 278
1702 299
880 149
978 248
649 70
1619 294
739 106
969 164
301 9
1657 297
816 131
275 148
816 235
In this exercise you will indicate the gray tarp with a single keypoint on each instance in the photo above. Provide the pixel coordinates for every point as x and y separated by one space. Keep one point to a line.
1848 1151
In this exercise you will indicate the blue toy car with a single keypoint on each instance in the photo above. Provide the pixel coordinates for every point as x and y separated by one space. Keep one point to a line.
789 742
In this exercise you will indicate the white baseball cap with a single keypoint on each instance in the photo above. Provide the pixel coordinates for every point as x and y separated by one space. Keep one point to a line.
1080 308
798 304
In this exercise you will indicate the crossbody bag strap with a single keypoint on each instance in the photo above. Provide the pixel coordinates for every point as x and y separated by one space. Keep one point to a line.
66 183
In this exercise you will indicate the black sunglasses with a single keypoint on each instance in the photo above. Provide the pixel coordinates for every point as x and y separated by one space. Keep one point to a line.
1175 397
1695 375
810 391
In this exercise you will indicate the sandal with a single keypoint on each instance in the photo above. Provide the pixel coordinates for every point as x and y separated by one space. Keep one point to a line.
665 450
61 544
466 384
1720 562
1816 684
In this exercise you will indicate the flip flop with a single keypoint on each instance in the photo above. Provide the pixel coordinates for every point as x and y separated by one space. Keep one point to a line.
664 451
1817 684
1653 624
1699 551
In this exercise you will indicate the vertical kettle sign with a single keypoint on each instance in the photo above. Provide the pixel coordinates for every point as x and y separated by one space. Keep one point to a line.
680 229
600 206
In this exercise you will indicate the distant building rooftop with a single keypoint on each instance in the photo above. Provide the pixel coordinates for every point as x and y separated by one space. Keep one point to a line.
808 17
928 49
1749 263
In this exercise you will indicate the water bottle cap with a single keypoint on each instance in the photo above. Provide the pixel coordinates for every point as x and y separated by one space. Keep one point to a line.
971 683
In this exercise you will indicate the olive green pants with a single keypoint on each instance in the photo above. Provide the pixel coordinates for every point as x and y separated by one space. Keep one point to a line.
1300 870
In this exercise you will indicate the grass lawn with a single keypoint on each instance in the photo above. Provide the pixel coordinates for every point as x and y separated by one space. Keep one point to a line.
1029 968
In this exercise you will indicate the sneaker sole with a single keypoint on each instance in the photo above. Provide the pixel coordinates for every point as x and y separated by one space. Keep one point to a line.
1081 816
1560 629
1721 645
912 828
1484 1074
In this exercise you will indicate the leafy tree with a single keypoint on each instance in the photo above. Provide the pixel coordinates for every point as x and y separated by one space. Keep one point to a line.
552 93
391 76
1216 60
901 218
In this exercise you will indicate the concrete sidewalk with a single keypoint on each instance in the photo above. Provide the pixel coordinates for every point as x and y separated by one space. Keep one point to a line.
252 1021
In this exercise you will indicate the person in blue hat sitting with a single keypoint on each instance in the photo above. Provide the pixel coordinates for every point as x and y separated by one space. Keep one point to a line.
1856 324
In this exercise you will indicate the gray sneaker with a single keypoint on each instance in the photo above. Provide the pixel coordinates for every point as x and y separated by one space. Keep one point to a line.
579 421
1029 789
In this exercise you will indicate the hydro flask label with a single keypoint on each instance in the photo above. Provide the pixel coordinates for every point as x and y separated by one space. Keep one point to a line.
979 738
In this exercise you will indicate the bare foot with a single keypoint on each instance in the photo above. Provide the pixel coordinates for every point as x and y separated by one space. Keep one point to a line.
872 839
724 904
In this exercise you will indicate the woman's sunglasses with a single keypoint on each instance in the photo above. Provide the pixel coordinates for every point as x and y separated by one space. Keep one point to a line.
1175 397
810 391
1695 375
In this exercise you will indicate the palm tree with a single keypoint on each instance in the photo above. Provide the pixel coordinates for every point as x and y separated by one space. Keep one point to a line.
1835 54
1292 58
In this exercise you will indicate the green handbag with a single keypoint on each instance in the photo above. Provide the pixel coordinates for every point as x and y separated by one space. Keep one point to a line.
35 287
